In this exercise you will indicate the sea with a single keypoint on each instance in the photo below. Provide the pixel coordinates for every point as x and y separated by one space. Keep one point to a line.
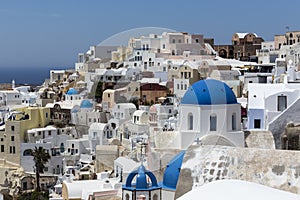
26 75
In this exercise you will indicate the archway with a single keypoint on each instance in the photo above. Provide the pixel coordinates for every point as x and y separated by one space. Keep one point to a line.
223 53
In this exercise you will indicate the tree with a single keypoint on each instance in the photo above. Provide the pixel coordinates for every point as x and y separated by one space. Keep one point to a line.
97 92
40 158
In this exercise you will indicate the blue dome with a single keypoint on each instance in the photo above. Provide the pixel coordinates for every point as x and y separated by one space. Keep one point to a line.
172 172
72 91
209 92
141 175
86 104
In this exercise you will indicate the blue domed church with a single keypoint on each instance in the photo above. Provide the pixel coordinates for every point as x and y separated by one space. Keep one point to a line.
142 183
210 114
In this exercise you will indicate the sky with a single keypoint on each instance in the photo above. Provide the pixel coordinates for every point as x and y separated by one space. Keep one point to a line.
50 34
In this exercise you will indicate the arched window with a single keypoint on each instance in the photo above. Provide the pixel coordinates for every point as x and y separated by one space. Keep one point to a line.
233 121
27 152
213 122
127 196
190 121
155 197
62 147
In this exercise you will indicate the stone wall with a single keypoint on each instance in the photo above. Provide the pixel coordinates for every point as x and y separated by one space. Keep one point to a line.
274 168
259 139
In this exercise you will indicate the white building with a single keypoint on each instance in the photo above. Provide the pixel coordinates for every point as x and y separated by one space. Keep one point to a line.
150 52
122 112
78 146
56 75
139 125
85 114
90 189
99 133
160 114
273 106
50 134
267 54
10 97
53 166
95 53
209 114
73 96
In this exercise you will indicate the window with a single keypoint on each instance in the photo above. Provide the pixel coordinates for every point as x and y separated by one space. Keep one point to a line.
163 46
256 123
2 148
173 40
94 135
127 197
62 147
46 115
27 152
155 197
108 95
281 103
24 185
233 121
12 138
213 123
190 121
12 128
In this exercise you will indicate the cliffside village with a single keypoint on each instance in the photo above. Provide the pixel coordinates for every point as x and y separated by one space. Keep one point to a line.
158 118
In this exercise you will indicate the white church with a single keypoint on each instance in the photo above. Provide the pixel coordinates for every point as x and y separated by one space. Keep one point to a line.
210 114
